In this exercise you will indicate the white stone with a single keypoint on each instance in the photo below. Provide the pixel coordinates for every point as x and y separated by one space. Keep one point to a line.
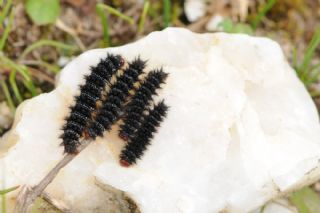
5 115
214 23
194 9
278 206
241 130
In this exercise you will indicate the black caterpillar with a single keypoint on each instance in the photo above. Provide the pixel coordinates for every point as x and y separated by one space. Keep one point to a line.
139 102
85 103
138 143
113 105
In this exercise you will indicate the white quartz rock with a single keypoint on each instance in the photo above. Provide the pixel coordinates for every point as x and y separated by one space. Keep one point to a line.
278 206
194 9
240 131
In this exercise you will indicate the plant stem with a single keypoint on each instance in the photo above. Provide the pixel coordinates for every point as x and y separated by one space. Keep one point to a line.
46 43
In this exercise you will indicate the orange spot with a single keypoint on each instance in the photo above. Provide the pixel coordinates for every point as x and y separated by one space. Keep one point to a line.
86 134
122 62
124 163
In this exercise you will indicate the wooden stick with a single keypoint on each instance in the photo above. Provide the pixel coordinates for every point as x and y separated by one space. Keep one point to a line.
28 194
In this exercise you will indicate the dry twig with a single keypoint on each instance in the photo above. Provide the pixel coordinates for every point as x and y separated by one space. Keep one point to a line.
28 194
62 26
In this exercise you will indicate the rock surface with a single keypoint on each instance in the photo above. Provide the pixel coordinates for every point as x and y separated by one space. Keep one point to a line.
241 130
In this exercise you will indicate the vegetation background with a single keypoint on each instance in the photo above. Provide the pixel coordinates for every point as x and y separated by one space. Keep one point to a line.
38 37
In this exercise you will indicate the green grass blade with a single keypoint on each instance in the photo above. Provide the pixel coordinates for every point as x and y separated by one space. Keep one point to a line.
313 75
116 12
105 25
52 68
314 43
314 94
5 191
6 31
12 80
3 204
176 12
262 209
5 11
306 200
167 13
36 205
6 92
146 7
3 197
22 70
262 13
28 83
47 43
295 59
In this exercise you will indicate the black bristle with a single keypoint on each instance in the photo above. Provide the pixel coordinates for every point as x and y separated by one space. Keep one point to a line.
138 64
136 146
85 103
113 104
140 101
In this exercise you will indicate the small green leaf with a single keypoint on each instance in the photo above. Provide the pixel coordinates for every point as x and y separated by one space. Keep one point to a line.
243 28
43 11
306 201
226 25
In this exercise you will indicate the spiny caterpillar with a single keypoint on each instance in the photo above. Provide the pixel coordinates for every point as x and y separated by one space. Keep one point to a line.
139 103
88 119
113 104
138 143
85 103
